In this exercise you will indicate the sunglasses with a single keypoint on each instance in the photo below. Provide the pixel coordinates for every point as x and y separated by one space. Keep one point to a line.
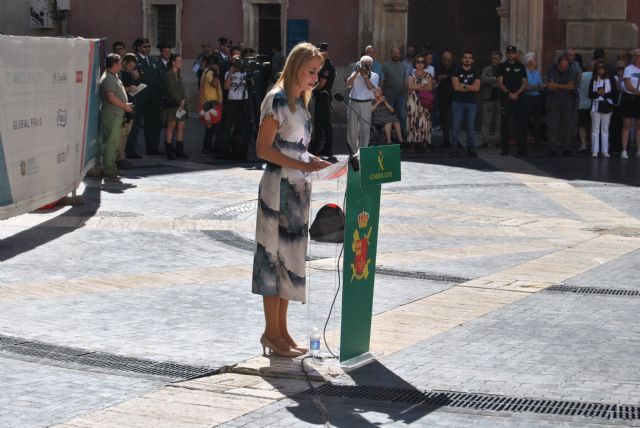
421 62
146 46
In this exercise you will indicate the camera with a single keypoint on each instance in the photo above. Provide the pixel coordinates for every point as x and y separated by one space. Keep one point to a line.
360 66
251 64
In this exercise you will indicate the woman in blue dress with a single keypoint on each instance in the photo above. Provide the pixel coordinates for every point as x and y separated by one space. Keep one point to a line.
284 196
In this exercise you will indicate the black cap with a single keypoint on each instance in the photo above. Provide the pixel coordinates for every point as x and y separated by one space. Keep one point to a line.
323 47
140 41
512 49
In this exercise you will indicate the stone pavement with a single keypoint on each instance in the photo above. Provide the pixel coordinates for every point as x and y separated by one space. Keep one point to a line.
105 308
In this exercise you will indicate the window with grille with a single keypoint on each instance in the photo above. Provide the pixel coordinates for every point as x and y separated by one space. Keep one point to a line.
166 24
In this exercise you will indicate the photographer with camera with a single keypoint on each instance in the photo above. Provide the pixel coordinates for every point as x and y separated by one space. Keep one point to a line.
236 109
362 82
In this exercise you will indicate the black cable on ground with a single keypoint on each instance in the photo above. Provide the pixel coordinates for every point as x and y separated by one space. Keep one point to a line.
315 396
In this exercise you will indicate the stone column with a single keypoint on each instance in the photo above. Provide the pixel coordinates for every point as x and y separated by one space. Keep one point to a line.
504 12
521 24
383 24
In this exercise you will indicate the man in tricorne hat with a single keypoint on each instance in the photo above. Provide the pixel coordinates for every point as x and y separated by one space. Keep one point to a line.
322 95
512 82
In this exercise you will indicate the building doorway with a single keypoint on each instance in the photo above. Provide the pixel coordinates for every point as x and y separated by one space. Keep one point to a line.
269 27
455 25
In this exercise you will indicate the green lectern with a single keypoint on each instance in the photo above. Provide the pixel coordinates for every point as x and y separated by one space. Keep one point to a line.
378 165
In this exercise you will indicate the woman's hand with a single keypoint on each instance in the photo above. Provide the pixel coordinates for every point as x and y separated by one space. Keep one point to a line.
315 164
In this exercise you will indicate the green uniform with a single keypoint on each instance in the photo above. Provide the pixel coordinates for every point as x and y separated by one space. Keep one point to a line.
111 120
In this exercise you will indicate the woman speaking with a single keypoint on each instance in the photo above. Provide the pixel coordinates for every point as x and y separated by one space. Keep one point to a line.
284 196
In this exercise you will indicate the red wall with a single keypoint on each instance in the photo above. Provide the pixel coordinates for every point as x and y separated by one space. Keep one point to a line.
113 19
206 21
335 22
331 21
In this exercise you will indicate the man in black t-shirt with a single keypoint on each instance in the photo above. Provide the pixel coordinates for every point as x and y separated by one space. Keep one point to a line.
445 95
512 81
465 81
322 95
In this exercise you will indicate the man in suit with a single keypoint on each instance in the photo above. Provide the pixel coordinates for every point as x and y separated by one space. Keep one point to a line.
148 101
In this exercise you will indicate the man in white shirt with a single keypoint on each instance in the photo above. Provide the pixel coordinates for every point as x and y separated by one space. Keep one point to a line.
630 104
362 82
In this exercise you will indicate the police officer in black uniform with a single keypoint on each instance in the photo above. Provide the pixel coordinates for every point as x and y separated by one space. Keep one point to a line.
512 81
322 93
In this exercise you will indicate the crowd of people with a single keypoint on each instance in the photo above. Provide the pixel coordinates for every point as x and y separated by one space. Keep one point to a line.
232 80
592 107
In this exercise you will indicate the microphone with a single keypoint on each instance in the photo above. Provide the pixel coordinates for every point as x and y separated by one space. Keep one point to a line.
325 96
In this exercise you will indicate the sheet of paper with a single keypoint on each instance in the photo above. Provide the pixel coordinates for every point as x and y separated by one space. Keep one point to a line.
137 90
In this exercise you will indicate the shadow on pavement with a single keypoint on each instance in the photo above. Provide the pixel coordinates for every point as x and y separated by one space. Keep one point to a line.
43 233
575 168
349 412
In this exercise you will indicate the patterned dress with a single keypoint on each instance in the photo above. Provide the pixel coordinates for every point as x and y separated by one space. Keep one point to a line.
418 117
283 206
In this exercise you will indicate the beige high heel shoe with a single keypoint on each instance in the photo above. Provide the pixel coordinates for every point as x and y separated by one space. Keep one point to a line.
267 344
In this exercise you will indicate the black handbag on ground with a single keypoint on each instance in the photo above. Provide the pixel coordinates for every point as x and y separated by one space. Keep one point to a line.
328 225
604 107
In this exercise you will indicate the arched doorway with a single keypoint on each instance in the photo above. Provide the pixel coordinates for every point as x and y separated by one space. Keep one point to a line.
455 25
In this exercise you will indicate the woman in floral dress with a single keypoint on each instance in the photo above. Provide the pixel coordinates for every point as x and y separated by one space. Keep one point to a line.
284 196
418 117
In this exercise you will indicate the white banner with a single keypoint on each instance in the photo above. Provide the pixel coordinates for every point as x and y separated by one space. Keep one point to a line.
48 119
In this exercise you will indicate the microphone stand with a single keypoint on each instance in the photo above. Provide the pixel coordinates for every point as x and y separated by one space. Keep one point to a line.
353 160
340 98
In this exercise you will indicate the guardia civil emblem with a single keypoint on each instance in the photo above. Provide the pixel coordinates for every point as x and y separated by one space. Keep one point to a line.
360 247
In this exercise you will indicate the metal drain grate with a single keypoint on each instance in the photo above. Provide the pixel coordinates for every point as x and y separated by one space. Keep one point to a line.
120 214
238 241
590 290
232 211
628 232
453 186
33 348
431 276
231 239
604 185
487 402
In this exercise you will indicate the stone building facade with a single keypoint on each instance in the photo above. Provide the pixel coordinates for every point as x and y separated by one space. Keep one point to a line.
543 26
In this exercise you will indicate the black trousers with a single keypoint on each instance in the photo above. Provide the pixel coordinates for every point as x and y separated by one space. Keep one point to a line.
209 133
533 112
147 116
513 110
322 129
615 131
237 126
446 118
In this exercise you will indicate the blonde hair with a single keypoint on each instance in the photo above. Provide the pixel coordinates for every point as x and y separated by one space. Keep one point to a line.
297 58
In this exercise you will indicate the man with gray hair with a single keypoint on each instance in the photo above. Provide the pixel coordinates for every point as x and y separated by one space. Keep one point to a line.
362 82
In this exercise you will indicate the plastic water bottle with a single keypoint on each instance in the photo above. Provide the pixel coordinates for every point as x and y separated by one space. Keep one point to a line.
314 342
